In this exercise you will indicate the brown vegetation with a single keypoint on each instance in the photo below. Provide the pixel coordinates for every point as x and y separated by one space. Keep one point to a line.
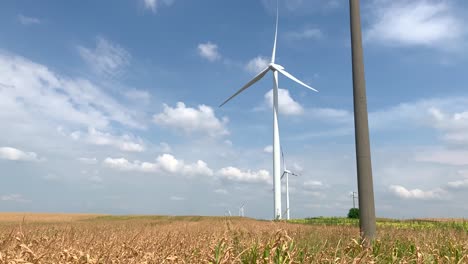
158 239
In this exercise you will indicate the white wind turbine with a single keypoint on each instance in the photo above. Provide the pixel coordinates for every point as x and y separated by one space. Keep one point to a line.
241 210
286 173
275 68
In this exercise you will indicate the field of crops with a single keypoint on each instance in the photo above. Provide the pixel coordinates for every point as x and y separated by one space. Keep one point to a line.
164 239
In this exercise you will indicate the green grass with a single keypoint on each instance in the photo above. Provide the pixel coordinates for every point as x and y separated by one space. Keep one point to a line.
384 222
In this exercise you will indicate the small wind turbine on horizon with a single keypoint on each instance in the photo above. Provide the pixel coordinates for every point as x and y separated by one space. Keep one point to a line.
275 68
241 210
286 173
227 213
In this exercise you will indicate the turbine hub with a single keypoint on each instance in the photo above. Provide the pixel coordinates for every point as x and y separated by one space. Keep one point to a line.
275 66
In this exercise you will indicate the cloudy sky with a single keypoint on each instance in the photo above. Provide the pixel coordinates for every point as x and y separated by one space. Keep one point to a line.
112 106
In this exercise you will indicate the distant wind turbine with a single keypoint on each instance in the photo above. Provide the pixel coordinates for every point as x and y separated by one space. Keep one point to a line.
286 173
275 68
241 210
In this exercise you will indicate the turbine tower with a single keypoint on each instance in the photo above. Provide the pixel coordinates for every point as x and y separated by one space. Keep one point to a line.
241 210
275 68
286 173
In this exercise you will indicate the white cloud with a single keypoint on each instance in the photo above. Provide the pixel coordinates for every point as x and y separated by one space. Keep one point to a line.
209 51
235 174
427 23
13 198
31 91
108 59
153 5
9 153
25 20
443 156
313 185
418 194
221 191
297 167
257 64
286 103
177 198
190 120
454 126
138 95
461 184
268 149
302 6
305 34
164 163
88 160
125 142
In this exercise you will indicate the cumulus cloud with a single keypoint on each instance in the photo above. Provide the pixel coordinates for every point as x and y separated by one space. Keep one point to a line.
27 20
268 149
237 175
9 153
426 23
257 64
153 5
13 198
192 120
417 194
454 126
108 59
31 91
286 103
461 184
209 51
165 163
95 137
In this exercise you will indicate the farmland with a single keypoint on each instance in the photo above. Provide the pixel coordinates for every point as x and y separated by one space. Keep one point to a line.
48 238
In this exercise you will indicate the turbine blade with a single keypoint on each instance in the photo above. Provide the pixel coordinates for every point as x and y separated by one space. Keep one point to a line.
287 74
282 176
294 174
254 80
273 55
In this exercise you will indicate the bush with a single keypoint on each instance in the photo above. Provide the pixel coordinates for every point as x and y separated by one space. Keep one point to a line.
353 213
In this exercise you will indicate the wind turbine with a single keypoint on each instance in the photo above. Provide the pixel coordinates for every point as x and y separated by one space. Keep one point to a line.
227 212
286 173
241 210
275 68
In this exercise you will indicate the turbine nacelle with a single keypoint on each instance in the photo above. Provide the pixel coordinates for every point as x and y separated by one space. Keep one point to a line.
275 67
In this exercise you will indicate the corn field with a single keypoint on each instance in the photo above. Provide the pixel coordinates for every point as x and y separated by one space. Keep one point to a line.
158 239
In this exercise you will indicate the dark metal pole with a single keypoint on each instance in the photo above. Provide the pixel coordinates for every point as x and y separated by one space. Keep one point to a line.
363 155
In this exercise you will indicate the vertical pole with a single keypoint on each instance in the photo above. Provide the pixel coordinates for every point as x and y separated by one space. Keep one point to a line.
276 151
354 195
363 155
287 196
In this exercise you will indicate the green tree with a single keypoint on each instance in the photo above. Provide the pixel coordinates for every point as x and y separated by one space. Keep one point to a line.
353 213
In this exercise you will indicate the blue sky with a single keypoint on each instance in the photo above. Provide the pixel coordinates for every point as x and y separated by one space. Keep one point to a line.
112 106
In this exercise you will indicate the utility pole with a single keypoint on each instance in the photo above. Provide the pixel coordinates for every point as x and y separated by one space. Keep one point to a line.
354 195
361 126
